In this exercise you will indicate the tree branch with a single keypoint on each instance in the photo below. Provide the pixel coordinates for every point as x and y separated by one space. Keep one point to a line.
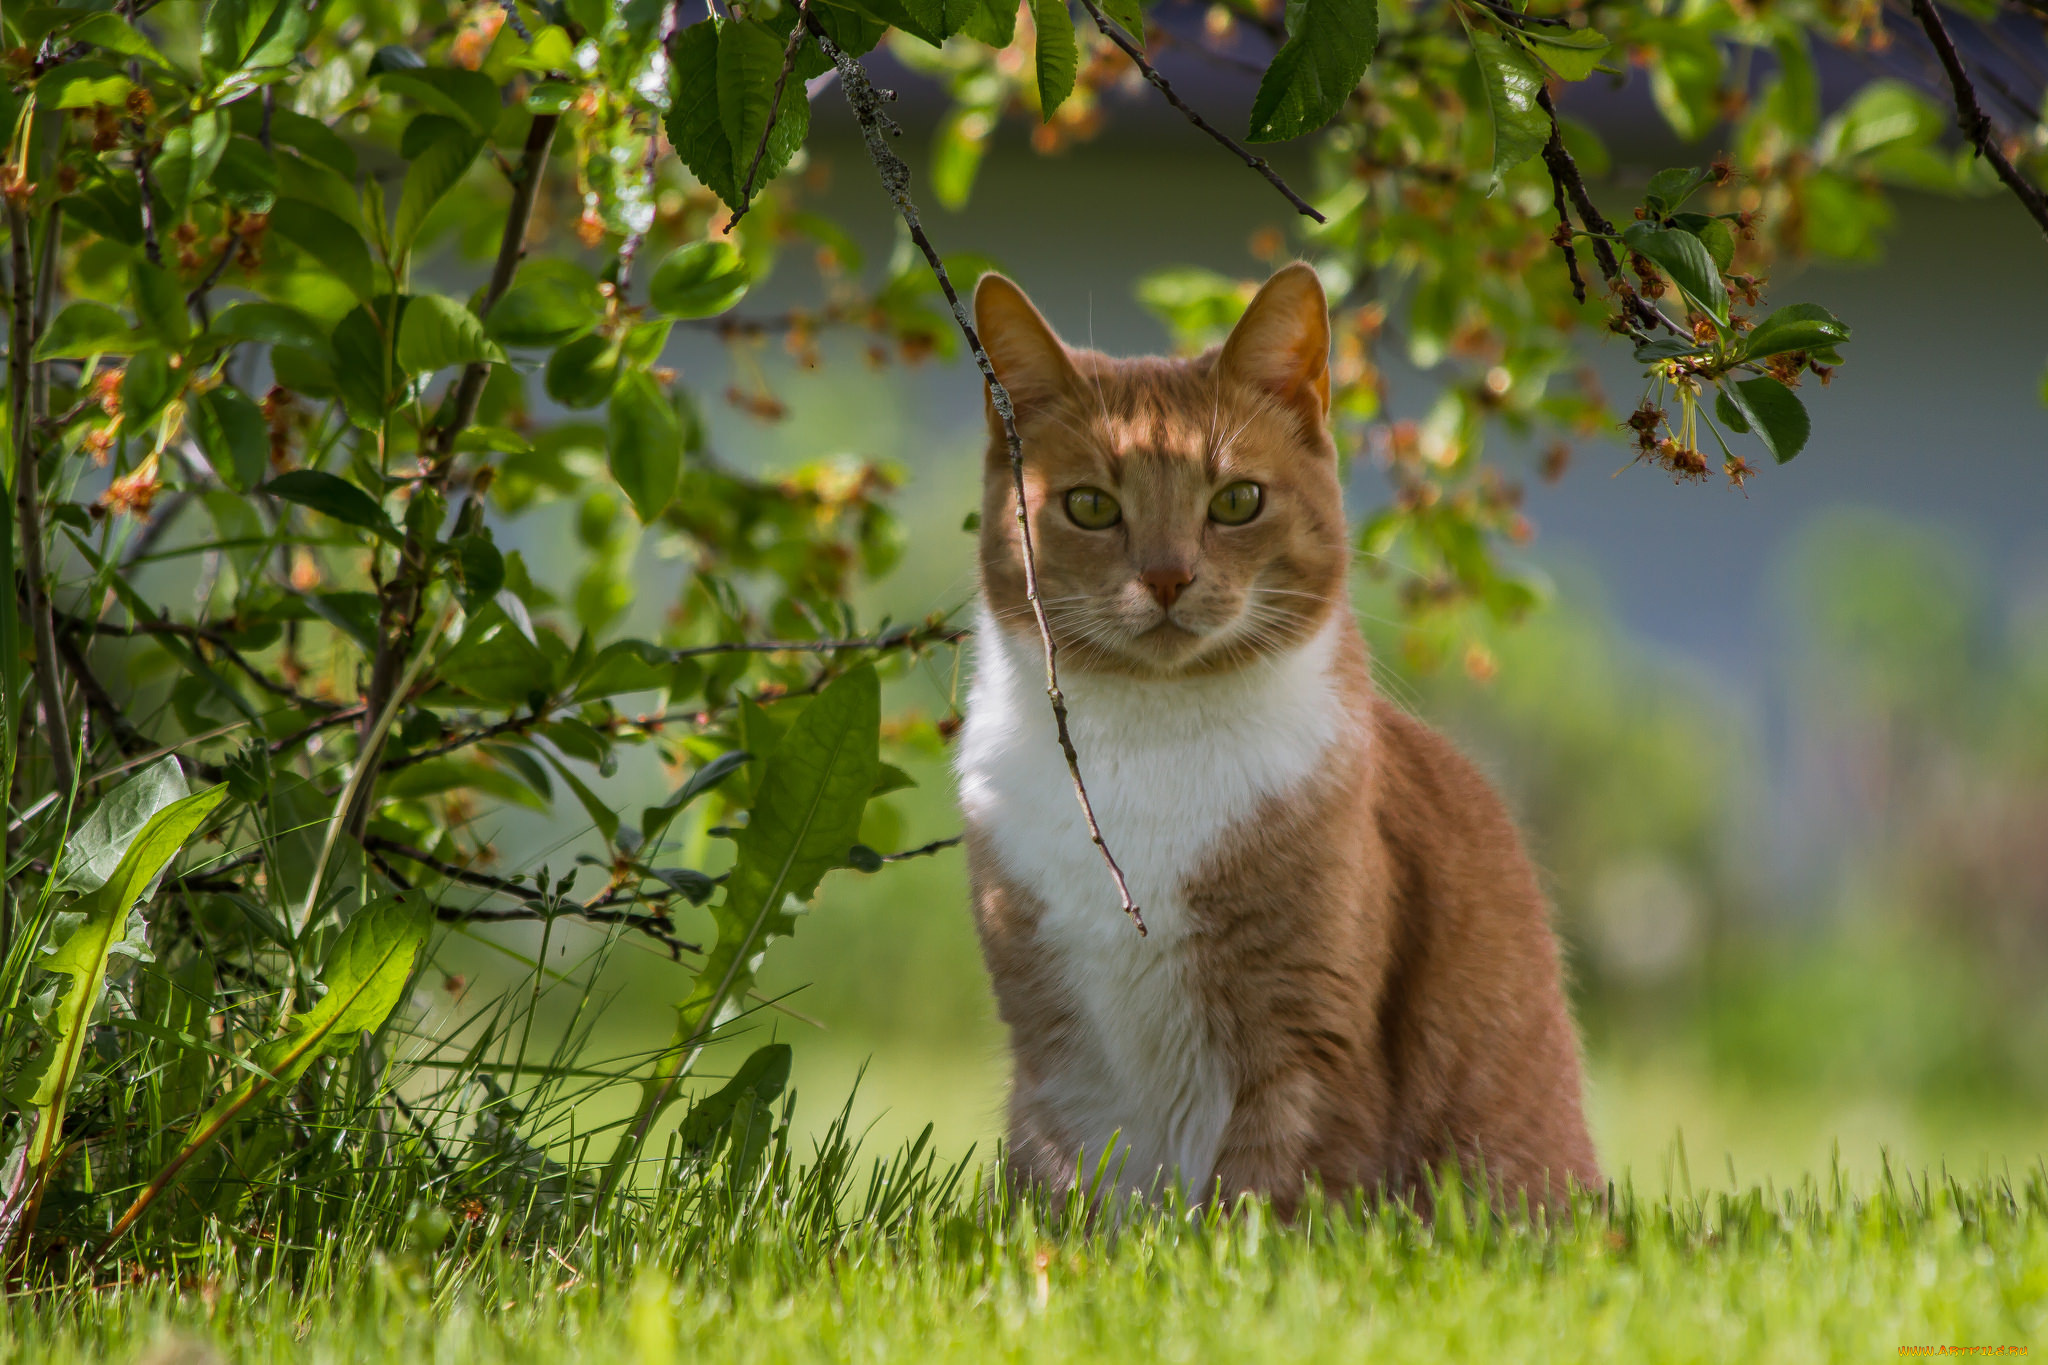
1132 49
1972 119
1566 180
866 101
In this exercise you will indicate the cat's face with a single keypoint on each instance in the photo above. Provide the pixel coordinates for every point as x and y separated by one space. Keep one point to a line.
1186 514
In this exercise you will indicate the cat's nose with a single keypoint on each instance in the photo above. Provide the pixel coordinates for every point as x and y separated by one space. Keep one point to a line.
1165 583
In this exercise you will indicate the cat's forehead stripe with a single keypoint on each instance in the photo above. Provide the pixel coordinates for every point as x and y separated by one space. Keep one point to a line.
1165 409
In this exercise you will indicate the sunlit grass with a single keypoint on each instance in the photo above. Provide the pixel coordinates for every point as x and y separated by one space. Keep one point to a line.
1817 1273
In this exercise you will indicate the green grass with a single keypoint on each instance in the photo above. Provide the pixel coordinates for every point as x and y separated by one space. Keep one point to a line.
921 1273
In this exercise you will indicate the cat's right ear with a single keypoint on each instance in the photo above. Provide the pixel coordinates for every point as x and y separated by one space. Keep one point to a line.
1028 357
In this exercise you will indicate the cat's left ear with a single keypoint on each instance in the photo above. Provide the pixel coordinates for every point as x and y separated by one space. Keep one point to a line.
1282 343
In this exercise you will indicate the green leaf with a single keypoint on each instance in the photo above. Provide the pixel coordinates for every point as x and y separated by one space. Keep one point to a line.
1774 412
95 848
147 386
806 814
81 85
646 445
1130 15
437 333
656 819
159 303
1795 327
469 96
85 956
329 243
552 97
602 816
1714 234
1512 83
496 663
749 61
190 152
1684 258
482 569
625 666
113 33
431 175
584 372
759 1080
699 280
427 129
1571 53
332 496
1329 45
1672 187
986 21
365 371
551 301
857 31
87 329
270 324
1058 56
1730 416
1666 348
924 19
239 35
312 139
247 175
693 122
232 432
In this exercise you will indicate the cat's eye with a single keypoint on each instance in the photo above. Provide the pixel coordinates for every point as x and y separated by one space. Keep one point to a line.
1236 505
1091 509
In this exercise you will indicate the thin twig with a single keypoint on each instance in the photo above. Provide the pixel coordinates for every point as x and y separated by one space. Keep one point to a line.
656 927
1972 119
925 850
215 640
196 300
796 38
865 101
1136 52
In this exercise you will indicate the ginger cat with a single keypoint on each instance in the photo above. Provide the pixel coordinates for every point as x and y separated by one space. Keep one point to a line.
1350 974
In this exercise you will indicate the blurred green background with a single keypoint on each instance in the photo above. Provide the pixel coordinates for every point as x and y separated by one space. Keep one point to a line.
1782 755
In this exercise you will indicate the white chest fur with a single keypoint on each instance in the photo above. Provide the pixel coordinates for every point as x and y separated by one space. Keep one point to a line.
1171 768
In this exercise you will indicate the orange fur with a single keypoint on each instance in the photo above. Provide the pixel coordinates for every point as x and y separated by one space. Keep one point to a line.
1353 976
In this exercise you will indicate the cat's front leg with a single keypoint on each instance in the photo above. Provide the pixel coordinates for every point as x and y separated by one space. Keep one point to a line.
1266 1145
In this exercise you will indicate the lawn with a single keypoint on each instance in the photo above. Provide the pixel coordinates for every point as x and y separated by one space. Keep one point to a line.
1823 1272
